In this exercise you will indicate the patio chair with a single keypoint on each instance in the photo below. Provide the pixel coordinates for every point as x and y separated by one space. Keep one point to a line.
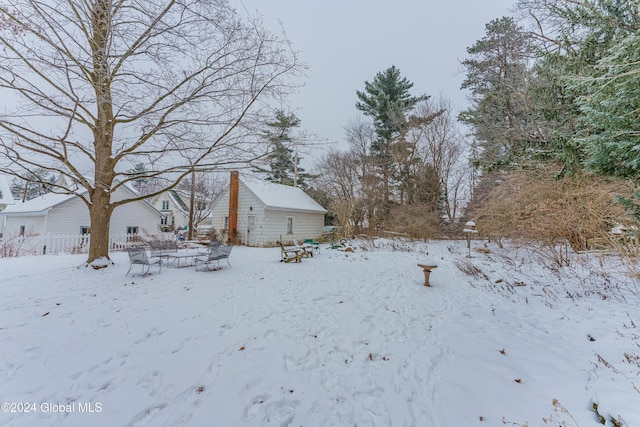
216 253
169 246
307 250
162 248
138 255
155 248
213 245
314 244
289 254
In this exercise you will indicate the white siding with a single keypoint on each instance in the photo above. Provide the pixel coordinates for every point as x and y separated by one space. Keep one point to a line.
306 225
181 217
249 204
69 217
32 224
136 215
219 211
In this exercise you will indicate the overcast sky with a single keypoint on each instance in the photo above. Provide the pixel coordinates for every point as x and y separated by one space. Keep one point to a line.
346 42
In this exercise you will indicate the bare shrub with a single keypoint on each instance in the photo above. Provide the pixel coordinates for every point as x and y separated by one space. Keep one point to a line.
16 245
468 268
418 220
629 250
535 205
344 210
394 245
561 415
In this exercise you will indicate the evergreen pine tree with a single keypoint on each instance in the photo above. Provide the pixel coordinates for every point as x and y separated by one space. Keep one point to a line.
138 169
32 184
284 164
387 101
497 74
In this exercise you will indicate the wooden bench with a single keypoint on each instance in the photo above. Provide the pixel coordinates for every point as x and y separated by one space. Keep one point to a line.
427 272
289 254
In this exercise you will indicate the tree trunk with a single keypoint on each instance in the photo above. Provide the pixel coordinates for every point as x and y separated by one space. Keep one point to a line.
100 212
100 208
192 206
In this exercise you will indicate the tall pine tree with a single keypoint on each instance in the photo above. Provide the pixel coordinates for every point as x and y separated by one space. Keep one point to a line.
497 74
387 101
283 161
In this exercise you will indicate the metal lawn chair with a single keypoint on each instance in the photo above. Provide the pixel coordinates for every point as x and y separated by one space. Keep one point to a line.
138 255
216 253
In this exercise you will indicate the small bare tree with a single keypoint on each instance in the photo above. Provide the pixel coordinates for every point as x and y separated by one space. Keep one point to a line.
338 176
360 135
201 189
436 136
92 88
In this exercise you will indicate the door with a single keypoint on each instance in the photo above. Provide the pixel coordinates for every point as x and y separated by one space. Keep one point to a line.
251 226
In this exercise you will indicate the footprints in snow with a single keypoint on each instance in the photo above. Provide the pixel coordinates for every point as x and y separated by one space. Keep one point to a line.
151 382
145 416
149 334
279 410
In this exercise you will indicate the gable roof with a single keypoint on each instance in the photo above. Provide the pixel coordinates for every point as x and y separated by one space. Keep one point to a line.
6 198
177 200
278 196
42 204
39 205
174 197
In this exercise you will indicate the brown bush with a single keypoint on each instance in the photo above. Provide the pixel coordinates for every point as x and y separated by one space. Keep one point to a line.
418 221
533 204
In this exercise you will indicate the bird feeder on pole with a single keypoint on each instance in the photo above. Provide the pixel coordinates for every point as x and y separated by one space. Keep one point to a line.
469 230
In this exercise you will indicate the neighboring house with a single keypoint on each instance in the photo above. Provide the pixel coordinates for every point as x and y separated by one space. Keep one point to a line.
6 198
175 213
175 210
67 214
267 212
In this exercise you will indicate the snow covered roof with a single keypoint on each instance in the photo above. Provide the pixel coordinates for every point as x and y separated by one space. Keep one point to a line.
279 196
6 198
38 205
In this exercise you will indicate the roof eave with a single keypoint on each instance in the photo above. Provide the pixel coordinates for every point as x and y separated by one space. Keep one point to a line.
280 208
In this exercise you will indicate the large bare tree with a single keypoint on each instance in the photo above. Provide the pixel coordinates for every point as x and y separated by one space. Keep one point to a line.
93 87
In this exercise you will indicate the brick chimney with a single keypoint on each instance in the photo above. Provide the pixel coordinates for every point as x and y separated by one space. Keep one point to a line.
233 207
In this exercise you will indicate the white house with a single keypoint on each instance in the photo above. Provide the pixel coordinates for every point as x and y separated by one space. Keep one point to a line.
266 212
67 214
6 198
175 213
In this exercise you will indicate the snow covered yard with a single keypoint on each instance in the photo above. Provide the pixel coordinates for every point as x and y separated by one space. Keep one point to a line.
342 339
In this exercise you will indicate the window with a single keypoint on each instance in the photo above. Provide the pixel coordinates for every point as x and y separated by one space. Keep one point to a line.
226 223
132 230
173 220
22 228
85 230
163 220
165 205
289 225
